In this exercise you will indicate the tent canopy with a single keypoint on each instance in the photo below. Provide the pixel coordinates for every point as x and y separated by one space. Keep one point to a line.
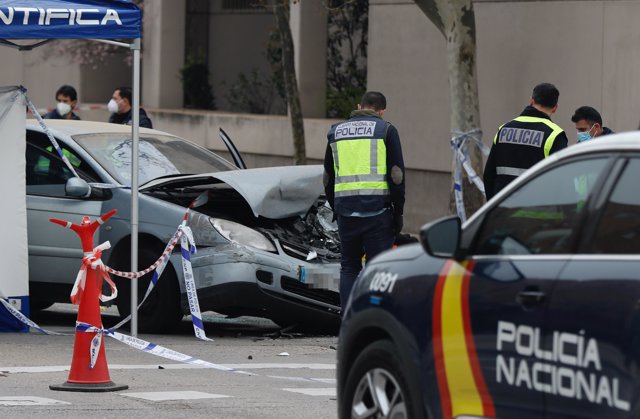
64 19
103 20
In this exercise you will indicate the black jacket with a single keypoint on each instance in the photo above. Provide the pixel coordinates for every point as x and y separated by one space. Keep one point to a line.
125 118
55 115
518 145
395 167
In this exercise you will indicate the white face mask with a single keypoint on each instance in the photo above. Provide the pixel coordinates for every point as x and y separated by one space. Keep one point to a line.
63 108
112 106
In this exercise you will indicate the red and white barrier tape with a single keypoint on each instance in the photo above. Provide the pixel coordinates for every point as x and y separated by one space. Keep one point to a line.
163 258
187 243
91 260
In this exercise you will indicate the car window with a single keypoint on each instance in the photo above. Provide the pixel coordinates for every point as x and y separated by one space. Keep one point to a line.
619 227
542 216
41 141
46 173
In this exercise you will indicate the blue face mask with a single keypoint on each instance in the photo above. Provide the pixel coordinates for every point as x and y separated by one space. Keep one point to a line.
583 136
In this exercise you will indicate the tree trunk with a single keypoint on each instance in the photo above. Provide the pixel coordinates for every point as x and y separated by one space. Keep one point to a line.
456 21
281 10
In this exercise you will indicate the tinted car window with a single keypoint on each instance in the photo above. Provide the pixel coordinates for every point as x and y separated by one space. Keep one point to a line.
46 173
619 228
541 217
47 152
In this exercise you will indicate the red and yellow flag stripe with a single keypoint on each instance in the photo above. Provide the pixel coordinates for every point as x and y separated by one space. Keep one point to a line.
460 381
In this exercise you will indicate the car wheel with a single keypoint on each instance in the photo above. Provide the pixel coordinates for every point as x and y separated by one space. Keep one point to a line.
161 312
376 386
39 305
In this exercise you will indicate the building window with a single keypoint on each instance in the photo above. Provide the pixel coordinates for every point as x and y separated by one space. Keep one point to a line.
238 4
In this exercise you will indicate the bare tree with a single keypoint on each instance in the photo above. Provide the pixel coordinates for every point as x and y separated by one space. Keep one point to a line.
281 11
347 39
455 19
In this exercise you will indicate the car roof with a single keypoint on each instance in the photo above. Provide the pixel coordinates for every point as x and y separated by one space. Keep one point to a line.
625 141
71 127
622 141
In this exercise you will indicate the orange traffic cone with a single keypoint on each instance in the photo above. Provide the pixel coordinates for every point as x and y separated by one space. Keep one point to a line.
82 376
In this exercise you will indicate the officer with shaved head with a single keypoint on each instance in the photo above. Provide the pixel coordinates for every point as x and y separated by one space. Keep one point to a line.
364 184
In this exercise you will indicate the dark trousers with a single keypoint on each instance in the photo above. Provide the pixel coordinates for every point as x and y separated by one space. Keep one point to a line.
361 236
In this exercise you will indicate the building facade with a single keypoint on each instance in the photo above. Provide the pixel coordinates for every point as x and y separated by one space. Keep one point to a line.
590 49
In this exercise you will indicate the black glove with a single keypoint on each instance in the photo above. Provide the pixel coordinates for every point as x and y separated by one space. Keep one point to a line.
398 222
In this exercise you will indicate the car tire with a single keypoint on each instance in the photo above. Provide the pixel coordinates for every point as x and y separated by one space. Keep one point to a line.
377 372
39 305
161 312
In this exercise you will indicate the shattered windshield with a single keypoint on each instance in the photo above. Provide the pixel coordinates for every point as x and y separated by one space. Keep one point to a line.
160 155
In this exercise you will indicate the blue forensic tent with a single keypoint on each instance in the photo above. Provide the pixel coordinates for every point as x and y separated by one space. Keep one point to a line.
116 22
64 19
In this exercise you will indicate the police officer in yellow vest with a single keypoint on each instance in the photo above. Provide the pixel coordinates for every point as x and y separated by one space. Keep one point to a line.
364 184
524 141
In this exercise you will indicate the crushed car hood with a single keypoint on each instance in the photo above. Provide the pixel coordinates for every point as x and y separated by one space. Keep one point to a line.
271 192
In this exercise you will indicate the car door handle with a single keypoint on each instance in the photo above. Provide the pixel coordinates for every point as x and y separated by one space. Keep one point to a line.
530 298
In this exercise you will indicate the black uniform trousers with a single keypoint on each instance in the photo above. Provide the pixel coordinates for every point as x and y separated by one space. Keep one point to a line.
361 236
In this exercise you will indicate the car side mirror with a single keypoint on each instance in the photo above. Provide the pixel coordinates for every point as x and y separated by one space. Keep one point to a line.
441 238
77 188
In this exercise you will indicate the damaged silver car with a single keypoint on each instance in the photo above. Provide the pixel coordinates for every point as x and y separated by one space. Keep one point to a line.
266 242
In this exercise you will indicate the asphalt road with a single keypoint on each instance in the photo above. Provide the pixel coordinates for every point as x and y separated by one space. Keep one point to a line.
290 376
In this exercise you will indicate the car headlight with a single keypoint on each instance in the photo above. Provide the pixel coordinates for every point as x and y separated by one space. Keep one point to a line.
242 235
204 234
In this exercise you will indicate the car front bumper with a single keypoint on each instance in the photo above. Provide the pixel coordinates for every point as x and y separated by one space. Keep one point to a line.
233 279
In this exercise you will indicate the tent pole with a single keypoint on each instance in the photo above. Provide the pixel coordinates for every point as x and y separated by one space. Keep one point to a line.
116 43
135 111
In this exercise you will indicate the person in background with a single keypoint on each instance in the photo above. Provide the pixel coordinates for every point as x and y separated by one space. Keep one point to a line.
589 123
120 108
365 186
66 101
525 140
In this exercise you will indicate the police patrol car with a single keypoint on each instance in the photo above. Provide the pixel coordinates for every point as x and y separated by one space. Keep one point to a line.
531 309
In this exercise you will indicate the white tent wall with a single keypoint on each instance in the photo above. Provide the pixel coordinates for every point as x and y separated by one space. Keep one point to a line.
14 270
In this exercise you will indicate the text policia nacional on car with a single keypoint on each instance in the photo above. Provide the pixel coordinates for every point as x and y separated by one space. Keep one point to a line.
575 353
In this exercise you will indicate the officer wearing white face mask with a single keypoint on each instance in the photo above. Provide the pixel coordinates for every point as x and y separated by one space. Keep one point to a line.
589 123
120 108
66 98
